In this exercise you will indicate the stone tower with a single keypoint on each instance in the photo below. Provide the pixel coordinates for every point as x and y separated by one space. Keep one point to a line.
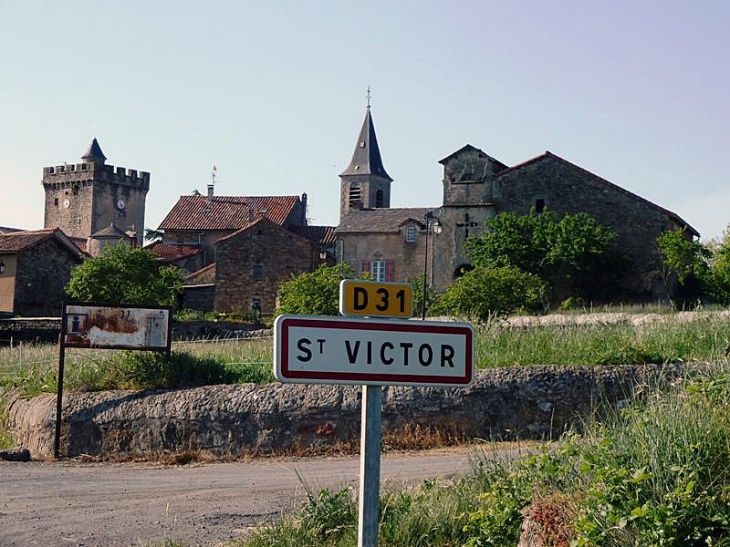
89 197
365 184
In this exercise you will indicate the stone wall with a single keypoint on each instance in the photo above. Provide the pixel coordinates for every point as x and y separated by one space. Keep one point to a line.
43 272
252 263
526 403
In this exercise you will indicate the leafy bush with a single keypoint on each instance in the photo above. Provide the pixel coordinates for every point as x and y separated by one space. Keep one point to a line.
315 293
483 293
574 254
122 275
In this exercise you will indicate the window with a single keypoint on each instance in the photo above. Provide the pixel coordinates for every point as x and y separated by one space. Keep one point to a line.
411 234
539 205
379 199
258 271
355 196
377 270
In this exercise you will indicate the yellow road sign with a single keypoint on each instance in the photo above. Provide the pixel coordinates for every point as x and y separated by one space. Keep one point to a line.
375 299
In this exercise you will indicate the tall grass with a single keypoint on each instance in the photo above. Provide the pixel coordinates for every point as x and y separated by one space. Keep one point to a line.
670 340
657 474
32 368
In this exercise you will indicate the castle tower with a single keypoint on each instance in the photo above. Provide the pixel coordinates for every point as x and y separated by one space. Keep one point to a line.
85 198
365 184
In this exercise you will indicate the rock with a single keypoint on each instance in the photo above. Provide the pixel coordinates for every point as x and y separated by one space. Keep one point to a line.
15 455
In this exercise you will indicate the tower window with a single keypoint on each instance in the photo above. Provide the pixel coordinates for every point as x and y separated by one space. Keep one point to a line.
258 271
539 205
55 202
355 195
379 198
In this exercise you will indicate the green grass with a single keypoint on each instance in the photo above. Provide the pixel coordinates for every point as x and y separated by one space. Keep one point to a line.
32 368
657 474
670 340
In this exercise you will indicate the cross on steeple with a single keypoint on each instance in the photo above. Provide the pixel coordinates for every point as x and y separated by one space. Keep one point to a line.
368 97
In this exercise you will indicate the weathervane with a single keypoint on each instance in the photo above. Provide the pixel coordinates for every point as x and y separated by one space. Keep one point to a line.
215 172
368 97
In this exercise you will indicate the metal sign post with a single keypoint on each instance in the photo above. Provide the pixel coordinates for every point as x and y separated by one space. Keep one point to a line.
370 436
372 353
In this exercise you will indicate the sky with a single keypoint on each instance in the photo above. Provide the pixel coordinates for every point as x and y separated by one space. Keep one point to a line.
274 94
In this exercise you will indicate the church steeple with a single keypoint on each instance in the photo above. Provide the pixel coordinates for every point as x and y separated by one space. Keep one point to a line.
365 182
366 158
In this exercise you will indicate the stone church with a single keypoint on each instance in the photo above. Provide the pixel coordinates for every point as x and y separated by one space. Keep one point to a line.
391 243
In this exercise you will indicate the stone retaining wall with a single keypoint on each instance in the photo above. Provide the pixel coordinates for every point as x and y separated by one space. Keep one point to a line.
527 403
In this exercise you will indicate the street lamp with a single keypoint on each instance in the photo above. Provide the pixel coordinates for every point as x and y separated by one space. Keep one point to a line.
430 220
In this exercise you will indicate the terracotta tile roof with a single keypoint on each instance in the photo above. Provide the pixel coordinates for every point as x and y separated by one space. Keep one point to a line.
380 220
15 242
172 252
8 230
318 235
549 156
226 212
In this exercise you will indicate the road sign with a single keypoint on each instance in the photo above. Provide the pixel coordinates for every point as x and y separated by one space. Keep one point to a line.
336 350
375 299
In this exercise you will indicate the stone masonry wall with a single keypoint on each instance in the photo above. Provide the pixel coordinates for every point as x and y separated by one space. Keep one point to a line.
569 189
253 263
526 403
43 272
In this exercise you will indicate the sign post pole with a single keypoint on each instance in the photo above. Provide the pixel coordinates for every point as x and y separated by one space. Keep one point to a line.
370 435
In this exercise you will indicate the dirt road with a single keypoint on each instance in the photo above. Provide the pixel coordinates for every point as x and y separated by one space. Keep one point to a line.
115 505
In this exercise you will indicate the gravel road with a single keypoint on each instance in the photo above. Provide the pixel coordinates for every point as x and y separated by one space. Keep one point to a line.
114 505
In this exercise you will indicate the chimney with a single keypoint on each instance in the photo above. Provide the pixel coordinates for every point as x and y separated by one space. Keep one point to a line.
210 193
304 210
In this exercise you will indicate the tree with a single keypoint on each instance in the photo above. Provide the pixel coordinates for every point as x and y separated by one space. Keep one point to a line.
315 293
574 254
685 261
122 275
719 282
483 293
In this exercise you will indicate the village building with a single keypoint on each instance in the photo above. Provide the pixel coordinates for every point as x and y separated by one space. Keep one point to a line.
240 249
35 267
402 244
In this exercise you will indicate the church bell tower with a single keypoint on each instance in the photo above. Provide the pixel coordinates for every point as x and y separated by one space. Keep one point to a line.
365 184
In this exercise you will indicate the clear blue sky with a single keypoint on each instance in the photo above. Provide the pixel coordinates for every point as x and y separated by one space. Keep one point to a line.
273 93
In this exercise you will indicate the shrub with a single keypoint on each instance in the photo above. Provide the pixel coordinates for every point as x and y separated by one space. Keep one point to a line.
483 293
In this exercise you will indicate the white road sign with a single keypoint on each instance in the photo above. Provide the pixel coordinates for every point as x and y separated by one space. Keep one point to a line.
336 350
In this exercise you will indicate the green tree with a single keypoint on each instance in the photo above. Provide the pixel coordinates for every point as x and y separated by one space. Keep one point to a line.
483 293
122 275
574 254
683 261
719 279
315 293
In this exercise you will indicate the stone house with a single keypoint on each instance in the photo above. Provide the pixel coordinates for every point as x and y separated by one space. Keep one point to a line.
391 242
35 267
240 248
198 221
253 262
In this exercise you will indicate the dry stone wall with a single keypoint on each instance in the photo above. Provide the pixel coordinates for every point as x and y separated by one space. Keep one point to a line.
530 402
